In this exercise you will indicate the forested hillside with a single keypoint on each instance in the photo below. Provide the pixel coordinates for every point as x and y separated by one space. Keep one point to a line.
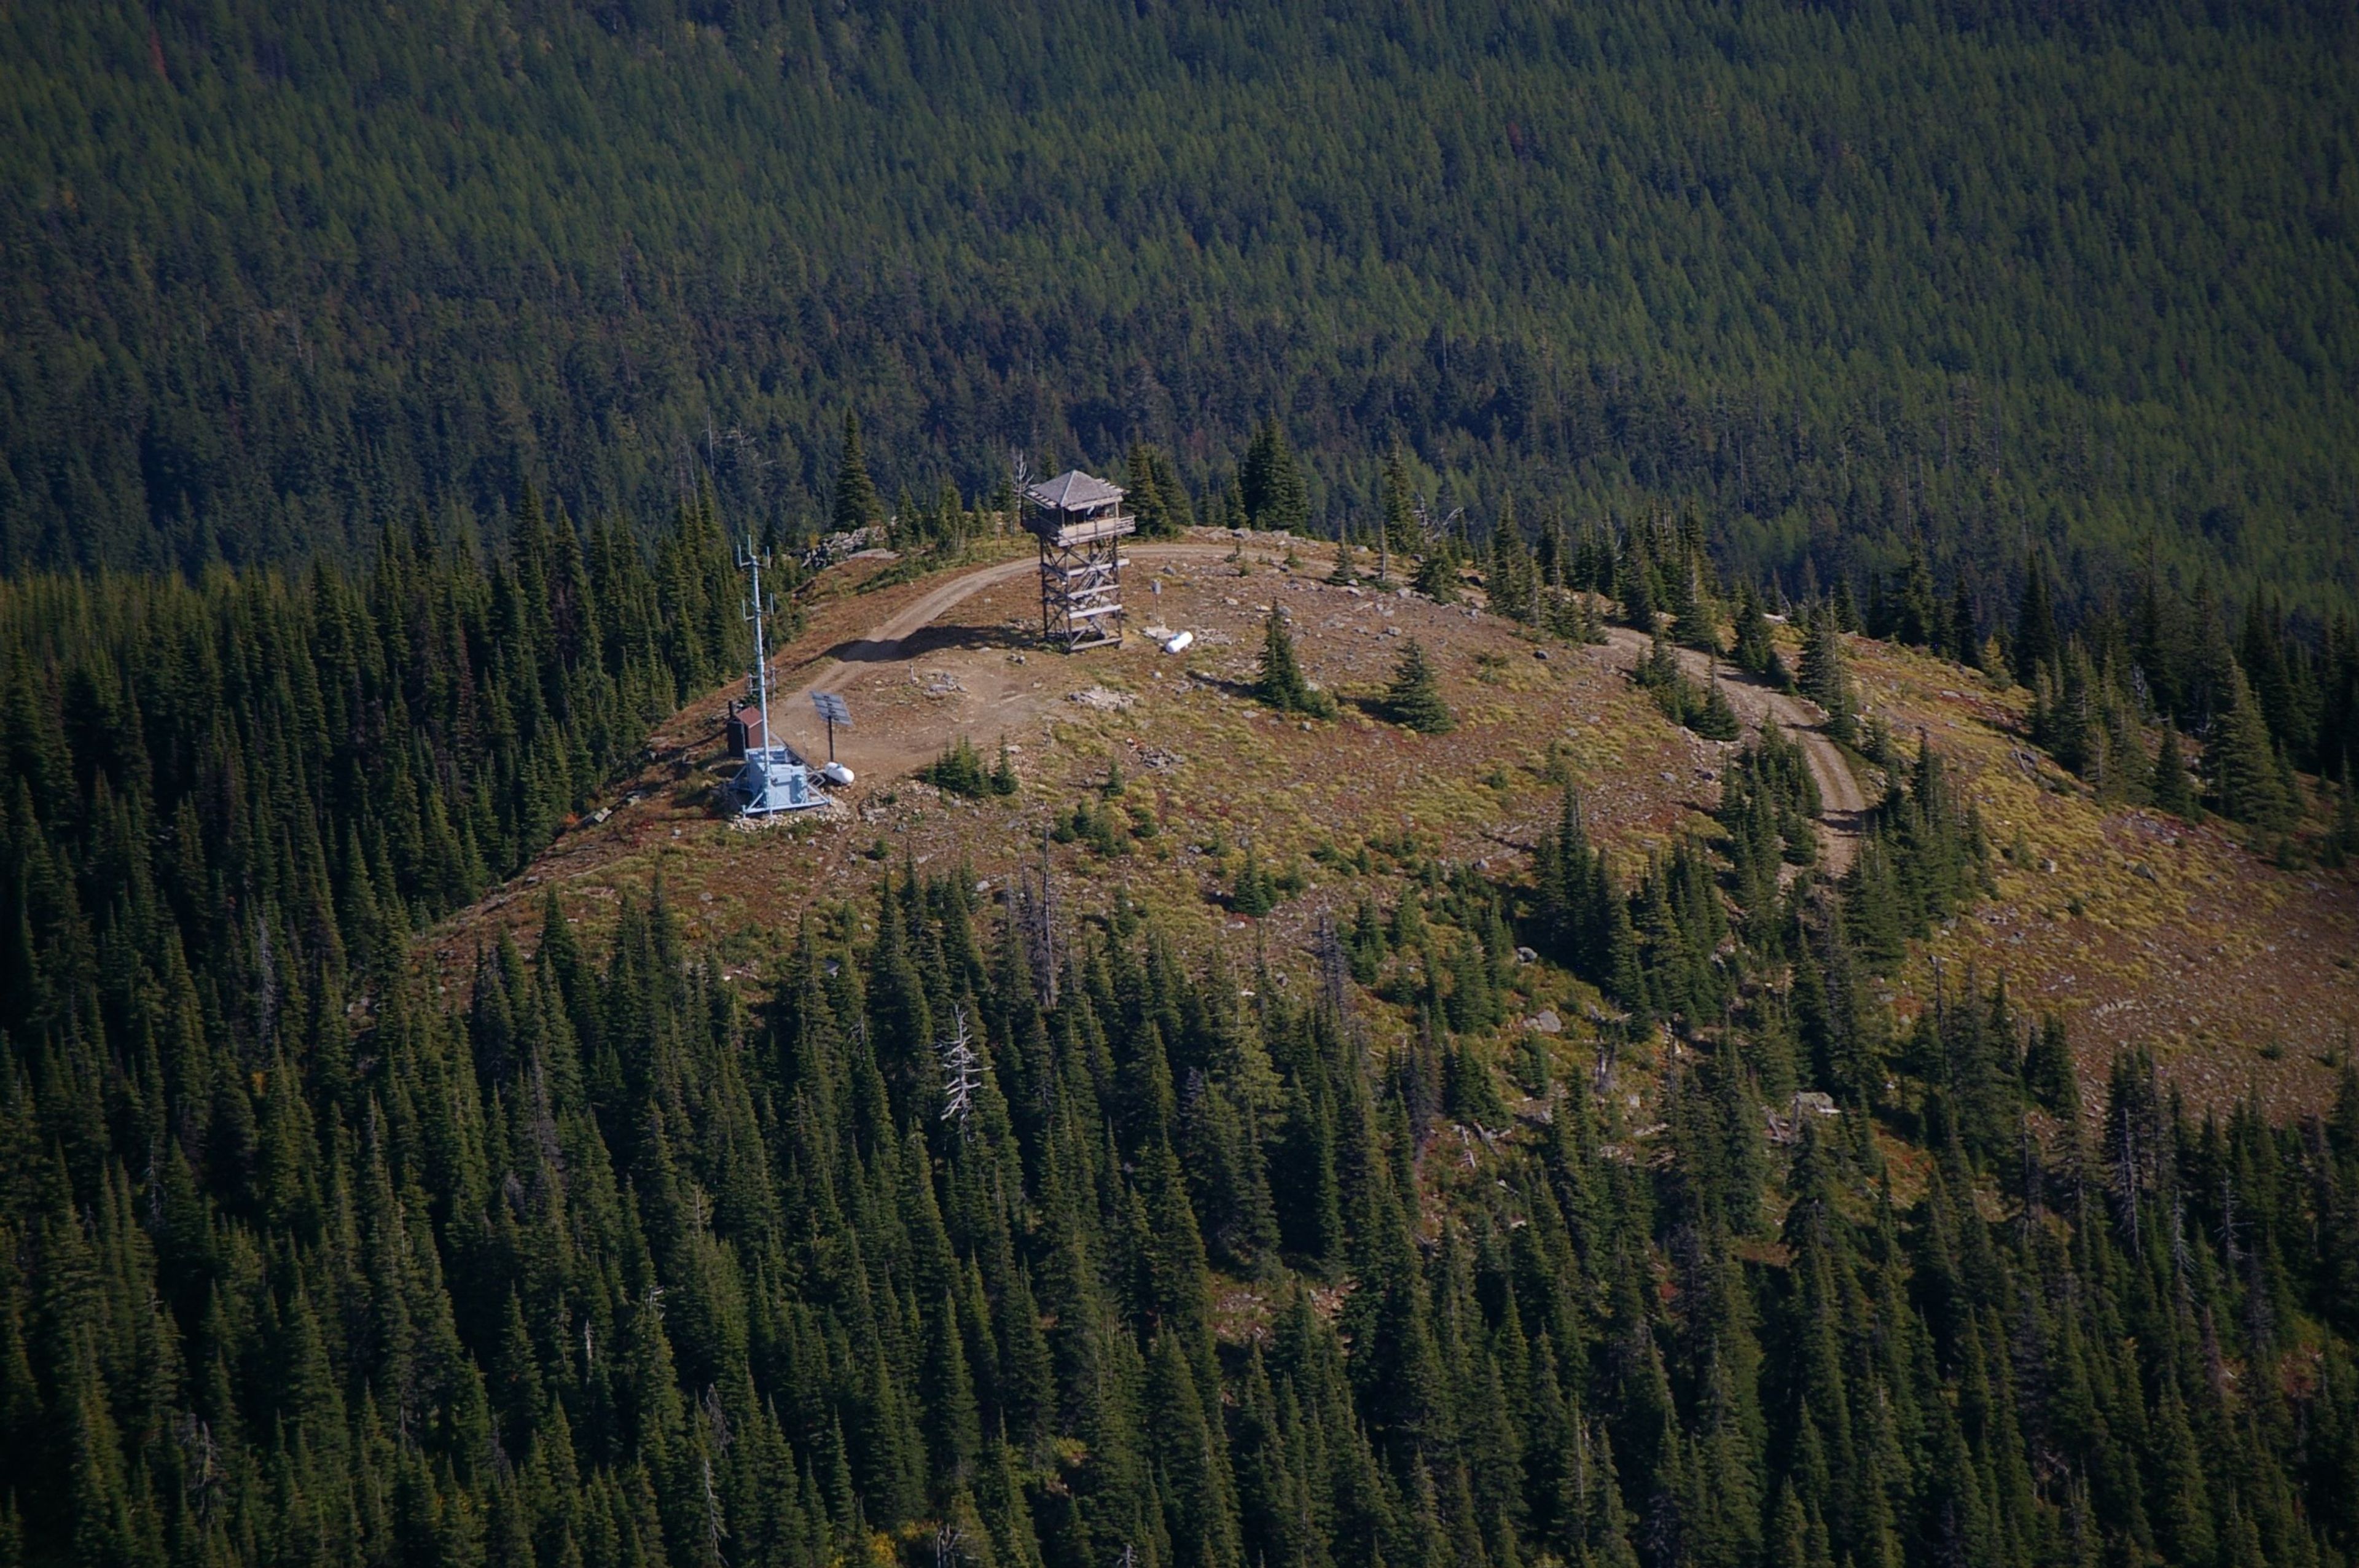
902 1239
618 1263
381 388
1844 277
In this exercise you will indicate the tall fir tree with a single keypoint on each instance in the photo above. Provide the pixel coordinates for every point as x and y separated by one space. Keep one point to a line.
857 504
1825 676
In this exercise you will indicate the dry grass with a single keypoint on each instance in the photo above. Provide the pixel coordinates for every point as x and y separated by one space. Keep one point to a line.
2231 970
2143 929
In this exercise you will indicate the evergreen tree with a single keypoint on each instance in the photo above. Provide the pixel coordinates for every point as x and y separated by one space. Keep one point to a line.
2037 643
1756 653
1254 893
1964 643
1414 698
1156 497
1400 533
2240 766
1634 584
857 504
1825 675
2172 790
1714 718
1270 482
1693 623
1280 681
1512 582
1437 571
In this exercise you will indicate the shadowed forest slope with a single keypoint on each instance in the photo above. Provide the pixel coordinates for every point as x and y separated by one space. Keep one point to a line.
1845 277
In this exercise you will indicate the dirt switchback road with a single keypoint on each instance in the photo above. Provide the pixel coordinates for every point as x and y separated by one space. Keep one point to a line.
1842 803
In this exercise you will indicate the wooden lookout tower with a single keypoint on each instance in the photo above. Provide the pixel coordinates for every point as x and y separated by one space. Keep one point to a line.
1079 523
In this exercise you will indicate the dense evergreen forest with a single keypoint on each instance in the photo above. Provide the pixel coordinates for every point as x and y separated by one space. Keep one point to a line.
1970 274
374 383
917 1245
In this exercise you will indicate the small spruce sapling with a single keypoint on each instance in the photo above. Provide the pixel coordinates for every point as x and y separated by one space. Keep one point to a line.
1254 893
1414 699
1344 576
1280 684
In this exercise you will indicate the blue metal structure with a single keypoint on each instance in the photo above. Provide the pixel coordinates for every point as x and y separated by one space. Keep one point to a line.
773 778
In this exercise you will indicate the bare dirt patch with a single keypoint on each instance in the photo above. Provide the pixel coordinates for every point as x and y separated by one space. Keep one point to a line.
2147 931
1211 770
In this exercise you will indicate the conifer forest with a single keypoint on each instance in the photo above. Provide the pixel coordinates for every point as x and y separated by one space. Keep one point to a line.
386 394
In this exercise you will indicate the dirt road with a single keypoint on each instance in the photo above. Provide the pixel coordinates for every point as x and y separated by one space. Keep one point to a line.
879 644
1843 802
882 644
886 643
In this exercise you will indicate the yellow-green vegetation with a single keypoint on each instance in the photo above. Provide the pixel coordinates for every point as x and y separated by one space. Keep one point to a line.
2145 927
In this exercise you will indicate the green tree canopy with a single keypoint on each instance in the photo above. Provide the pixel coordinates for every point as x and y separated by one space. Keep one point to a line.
1414 698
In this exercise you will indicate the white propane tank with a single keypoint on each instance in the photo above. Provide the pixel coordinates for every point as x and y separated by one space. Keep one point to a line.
1180 643
836 773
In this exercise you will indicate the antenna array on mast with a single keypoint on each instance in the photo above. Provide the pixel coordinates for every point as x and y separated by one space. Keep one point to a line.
774 778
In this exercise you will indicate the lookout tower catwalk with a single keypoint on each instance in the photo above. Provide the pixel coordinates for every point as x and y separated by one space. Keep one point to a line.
1079 523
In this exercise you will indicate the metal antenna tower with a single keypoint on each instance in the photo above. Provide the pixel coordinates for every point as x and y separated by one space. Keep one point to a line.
752 561
774 778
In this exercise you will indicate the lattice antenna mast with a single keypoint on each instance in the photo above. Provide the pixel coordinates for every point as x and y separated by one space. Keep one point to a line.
962 1070
758 611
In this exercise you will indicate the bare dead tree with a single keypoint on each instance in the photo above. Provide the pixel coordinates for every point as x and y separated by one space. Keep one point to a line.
962 1070
1019 480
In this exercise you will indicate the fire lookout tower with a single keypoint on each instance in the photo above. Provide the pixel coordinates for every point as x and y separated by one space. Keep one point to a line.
1079 523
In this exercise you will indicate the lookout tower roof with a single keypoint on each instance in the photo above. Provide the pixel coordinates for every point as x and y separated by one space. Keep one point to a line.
1074 491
